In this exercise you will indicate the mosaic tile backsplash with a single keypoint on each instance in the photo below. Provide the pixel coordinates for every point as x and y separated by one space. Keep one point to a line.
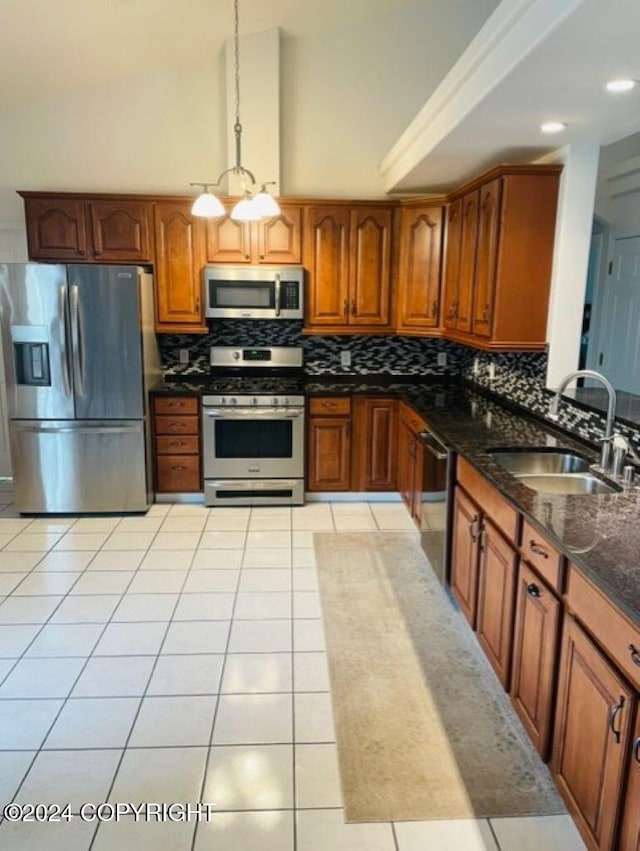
519 376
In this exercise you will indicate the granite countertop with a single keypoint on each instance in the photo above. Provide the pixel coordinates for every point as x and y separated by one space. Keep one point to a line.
600 533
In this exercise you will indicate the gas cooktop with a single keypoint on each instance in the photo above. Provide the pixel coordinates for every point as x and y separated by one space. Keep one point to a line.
255 376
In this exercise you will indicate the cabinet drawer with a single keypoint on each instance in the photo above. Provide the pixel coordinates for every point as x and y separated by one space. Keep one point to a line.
176 425
488 498
413 421
611 629
177 473
539 553
176 405
329 406
187 444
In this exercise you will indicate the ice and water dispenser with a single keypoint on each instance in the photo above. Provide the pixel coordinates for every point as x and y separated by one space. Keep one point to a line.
31 356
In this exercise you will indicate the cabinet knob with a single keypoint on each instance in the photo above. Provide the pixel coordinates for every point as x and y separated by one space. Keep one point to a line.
636 750
533 590
473 527
635 655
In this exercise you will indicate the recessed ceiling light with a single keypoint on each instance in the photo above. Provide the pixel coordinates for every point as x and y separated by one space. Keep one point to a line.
620 85
552 126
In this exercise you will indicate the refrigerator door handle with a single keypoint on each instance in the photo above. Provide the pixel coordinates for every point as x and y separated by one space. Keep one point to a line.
76 340
64 339
43 429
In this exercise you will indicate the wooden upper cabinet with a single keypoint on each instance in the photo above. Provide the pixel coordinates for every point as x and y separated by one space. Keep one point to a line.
327 260
499 253
348 255
486 258
180 253
102 230
418 289
370 266
56 229
274 240
591 737
120 231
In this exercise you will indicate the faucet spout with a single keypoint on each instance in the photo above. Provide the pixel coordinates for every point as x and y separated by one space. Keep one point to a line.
605 453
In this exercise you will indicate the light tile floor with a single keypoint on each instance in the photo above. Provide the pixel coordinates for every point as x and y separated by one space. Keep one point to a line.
180 657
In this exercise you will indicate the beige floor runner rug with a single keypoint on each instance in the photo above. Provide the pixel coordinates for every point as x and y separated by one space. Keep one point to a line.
424 729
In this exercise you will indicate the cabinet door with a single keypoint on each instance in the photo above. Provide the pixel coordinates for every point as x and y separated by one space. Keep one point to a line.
228 241
120 231
369 266
279 238
535 647
329 454
326 250
179 262
405 462
419 268
452 268
468 242
56 229
464 554
375 451
486 258
496 590
630 829
591 736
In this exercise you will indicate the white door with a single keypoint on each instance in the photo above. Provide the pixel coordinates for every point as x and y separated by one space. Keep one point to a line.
619 350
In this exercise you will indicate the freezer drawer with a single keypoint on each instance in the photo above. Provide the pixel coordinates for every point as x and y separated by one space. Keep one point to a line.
78 467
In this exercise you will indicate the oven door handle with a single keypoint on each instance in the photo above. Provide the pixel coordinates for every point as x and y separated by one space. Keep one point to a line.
253 413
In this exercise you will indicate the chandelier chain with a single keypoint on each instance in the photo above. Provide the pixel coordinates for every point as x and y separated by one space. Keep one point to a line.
236 20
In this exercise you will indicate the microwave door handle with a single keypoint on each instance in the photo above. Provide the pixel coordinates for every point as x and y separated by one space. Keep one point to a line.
277 294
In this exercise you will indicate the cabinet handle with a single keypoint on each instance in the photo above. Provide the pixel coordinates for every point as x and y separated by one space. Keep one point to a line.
473 527
538 550
533 590
434 309
178 468
451 312
483 541
97 252
345 307
636 750
81 252
486 312
328 404
613 711
177 443
635 655
354 310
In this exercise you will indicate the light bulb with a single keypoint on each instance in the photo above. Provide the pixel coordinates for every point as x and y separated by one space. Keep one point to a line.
207 205
552 127
620 85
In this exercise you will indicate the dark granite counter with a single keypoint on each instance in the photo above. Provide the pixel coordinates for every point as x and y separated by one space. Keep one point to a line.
600 533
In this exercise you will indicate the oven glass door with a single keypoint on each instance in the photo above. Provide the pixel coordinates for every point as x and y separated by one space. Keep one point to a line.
253 442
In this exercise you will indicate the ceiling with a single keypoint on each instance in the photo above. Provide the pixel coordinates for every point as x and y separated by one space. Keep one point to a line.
51 46
560 78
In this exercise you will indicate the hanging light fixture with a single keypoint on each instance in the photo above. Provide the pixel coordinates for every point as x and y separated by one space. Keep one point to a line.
253 205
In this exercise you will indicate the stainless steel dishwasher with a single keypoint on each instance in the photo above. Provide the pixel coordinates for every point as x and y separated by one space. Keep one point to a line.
436 495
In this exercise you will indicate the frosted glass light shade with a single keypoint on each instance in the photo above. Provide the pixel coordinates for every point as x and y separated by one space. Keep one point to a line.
245 211
207 205
266 204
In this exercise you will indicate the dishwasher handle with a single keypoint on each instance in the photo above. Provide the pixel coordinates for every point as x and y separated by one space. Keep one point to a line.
434 446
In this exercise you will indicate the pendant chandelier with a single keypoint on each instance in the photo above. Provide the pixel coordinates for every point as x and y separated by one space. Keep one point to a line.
254 204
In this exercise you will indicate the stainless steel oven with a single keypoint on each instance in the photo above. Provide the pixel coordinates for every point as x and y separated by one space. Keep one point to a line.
253 428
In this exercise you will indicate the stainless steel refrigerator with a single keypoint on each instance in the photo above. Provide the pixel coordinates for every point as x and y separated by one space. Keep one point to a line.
80 355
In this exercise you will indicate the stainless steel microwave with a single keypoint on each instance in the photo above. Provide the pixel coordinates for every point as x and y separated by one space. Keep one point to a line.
254 292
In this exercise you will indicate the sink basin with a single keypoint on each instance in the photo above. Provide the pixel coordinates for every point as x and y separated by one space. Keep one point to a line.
539 461
557 471
565 483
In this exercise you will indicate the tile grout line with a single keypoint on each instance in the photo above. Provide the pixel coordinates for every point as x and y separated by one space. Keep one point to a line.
217 706
294 789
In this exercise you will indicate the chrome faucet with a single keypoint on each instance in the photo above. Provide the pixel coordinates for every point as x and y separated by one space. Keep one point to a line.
605 452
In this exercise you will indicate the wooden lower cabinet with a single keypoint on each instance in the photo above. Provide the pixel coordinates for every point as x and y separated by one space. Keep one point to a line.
591 737
329 444
465 552
535 647
630 828
496 590
176 441
374 452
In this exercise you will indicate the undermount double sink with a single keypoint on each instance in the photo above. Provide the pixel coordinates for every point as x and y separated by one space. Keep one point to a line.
553 471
